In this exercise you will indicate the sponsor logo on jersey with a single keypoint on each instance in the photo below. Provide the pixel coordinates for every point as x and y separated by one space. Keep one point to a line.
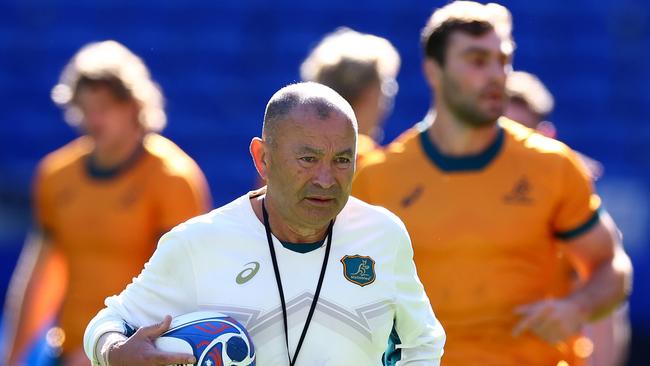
359 269
520 193
248 273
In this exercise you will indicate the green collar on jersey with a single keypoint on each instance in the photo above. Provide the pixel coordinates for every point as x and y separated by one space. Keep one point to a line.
302 247
99 173
461 164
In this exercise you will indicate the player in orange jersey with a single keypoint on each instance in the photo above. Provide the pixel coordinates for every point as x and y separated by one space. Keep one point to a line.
102 201
362 68
490 205
606 341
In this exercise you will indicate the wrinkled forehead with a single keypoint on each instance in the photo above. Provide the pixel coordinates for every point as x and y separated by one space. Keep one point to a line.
309 125
316 119
320 110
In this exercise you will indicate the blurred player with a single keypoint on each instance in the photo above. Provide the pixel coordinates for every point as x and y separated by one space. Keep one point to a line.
101 201
531 103
363 69
486 201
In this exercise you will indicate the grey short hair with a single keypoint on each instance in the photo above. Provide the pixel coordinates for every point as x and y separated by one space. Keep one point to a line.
321 98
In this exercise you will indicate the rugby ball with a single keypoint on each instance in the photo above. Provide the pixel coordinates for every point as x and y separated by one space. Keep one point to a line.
213 338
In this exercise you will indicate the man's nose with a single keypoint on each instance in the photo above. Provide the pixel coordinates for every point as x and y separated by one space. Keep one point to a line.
498 72
324 176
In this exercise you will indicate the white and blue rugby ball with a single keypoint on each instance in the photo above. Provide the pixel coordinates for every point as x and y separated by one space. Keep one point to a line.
213 338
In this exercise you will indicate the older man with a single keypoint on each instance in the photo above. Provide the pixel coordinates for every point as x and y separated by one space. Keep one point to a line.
304 226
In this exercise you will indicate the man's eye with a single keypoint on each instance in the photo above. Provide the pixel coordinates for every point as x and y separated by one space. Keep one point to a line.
478 61
308 159
342 161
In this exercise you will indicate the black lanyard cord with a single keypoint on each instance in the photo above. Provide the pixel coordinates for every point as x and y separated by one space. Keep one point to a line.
278 280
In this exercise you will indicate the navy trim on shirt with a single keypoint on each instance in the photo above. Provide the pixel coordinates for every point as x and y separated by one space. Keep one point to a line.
464 163
570 234
302 247
96 172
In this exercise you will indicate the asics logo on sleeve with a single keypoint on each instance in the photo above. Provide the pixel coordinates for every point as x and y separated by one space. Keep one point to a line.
248 273
412 196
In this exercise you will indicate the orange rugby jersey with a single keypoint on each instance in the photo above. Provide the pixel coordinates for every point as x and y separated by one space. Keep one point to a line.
365 145
484 230
106 229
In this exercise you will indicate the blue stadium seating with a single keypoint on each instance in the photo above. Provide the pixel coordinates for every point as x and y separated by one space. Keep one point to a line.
219 62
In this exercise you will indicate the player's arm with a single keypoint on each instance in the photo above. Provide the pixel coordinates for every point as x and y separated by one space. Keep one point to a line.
593 244
37 285
418 336
604 268
606 273
165 287
31 266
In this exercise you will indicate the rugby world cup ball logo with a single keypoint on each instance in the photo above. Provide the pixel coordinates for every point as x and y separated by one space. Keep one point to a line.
213 338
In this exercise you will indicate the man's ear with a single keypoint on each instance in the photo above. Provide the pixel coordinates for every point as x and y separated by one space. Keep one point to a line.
136 111
432 71
258 153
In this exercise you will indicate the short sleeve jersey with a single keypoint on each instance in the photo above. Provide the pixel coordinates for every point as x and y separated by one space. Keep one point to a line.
484 231
106 229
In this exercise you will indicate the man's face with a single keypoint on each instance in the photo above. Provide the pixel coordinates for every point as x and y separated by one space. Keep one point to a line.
520 111
371 108
310 166
106 119
380 99
472 81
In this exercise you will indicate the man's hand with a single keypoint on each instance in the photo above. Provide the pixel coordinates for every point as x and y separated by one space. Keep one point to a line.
139 349
551 320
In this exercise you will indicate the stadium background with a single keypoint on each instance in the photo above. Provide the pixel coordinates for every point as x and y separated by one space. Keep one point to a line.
218 62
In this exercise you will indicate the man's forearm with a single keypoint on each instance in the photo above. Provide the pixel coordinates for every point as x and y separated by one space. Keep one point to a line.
606 288
30 261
